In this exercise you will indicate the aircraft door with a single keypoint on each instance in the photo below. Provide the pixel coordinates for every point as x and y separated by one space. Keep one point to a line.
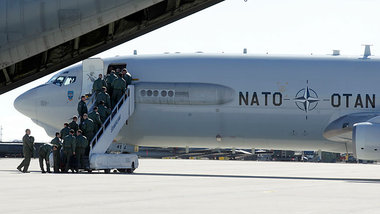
92 67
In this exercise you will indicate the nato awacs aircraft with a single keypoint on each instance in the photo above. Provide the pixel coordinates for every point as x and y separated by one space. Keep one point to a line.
325 103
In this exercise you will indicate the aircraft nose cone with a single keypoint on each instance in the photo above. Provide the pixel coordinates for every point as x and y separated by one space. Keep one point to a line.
25 104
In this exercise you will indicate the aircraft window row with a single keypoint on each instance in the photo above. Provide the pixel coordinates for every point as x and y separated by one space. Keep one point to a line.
59 80
156 93
69 80
63 80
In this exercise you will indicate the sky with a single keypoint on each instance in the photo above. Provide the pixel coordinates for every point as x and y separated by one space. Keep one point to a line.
294 27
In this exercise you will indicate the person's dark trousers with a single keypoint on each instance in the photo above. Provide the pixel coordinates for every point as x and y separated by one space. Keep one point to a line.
25 163
79 159
41 159
68 156
57 160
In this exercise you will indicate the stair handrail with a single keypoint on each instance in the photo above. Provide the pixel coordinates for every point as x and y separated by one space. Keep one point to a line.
107 122
91 102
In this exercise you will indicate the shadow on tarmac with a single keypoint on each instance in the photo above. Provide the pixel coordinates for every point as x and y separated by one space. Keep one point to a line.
356 180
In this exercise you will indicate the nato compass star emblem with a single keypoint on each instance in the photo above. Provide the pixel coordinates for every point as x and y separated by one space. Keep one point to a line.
306 99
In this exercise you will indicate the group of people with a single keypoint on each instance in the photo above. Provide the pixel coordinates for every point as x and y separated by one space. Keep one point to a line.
72 143
112 88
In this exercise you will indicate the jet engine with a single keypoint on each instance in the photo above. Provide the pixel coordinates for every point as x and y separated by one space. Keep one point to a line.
366 140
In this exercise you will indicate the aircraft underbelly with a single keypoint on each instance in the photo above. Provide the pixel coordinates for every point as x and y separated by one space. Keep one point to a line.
226 127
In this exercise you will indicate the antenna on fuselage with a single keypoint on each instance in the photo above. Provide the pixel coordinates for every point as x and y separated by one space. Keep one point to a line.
367 51
336 53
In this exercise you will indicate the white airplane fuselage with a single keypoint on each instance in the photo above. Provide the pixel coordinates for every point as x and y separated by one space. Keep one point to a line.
223 101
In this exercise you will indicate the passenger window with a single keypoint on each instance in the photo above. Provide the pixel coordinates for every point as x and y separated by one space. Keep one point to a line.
59 80
69 80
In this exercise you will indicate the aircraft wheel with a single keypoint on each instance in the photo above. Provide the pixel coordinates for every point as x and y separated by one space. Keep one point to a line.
132 169
107 171
122 170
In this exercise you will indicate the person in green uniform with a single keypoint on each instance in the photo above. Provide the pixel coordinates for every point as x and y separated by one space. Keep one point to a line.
127 77
103 111
27 149
95 117
109 79
81 145
98 84
43 154
82 107
69 149
103 96
56 143
118 90
73 124
65 131
87 127
118 71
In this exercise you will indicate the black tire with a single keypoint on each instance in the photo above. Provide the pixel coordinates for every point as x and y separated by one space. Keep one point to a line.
107 171
122 170
132 169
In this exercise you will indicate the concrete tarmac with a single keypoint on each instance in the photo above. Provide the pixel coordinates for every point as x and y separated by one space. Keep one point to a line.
195 186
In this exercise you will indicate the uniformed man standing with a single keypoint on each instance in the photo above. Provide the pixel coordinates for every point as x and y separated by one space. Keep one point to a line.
27 149
81 145
56 143
74 125
118 71
82 107
88 127
103 111
103 96
95 117
65 131
98 84
127 77
43 154
118 90
110 78
69 149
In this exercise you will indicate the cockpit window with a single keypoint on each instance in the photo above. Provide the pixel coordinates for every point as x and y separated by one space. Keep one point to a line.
59 80
69 80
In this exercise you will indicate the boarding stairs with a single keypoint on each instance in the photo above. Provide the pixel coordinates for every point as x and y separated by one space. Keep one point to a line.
108 132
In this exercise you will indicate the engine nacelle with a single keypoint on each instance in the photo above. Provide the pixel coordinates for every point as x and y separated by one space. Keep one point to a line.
366 141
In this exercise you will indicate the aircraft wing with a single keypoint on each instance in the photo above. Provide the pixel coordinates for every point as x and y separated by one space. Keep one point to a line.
340 130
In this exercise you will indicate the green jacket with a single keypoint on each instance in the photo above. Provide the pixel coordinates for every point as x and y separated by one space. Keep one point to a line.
45 150
95 117
105 97
27 146
82 108
128 78
119 84
88 126
69 143
64 132
81 142
103 112
73 125
98 85
56 142
110 78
